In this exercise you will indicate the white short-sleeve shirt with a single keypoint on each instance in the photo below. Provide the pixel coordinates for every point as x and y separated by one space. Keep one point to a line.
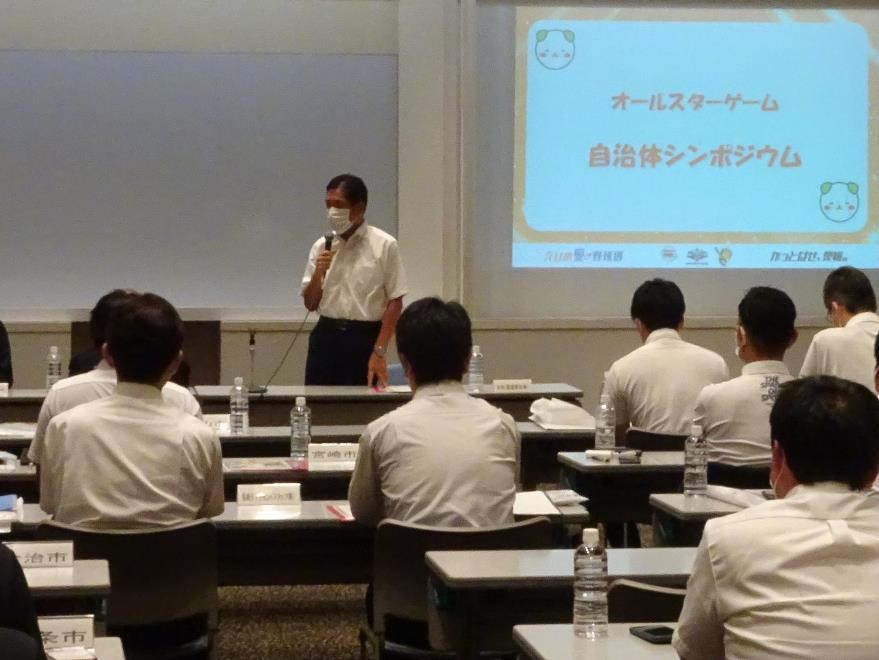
98 383
791 578
130 460
654 388
445 459
734 415
366 273
845 352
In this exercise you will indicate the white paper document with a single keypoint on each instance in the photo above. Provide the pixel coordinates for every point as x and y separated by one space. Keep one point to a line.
533 503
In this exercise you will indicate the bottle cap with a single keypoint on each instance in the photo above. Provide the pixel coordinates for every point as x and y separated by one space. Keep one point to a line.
476 348
53 349
300 401
591 537
238 381
696 430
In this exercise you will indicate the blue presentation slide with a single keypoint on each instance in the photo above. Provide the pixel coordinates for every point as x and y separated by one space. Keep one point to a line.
693 144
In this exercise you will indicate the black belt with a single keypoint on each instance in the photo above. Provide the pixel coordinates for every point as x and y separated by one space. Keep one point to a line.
327 323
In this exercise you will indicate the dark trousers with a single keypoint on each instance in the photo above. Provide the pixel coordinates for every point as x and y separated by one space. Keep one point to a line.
339 350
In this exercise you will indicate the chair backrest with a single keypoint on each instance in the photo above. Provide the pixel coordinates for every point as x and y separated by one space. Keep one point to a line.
646 441
156 575
629 601
399 569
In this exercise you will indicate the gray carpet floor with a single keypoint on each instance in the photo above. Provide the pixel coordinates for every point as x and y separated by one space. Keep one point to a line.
290 623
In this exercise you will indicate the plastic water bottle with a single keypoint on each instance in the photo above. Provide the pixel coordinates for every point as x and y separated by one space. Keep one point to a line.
53 367
476 370
696 463
239 408
300 433
590 587
605 423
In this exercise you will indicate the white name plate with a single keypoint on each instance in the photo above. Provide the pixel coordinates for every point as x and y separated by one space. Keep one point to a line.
4 390
512 385
67 632
219 422
323 456
275 494
43 554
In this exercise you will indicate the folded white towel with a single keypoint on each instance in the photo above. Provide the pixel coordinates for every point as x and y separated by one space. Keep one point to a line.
558 414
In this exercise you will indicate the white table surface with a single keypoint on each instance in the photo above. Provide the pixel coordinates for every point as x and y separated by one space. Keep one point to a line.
670 461
557 642
690 508
87 577
474 569
340 392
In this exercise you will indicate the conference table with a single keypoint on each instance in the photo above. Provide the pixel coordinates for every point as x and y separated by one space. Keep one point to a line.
79 589
538 457
330 404
679 519
361 404
620 492
557 642
317 543
481 594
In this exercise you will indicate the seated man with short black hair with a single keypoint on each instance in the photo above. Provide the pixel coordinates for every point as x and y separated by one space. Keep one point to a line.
734 415
654 388
132 459
99 382
845 349
797 576
445 458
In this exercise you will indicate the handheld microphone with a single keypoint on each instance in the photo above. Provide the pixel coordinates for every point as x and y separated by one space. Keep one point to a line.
328 240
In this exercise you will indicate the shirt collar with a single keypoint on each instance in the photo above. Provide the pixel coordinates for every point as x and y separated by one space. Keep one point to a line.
436 389
820 487
138 391
761 367
103 365
662 333
358 233
862 317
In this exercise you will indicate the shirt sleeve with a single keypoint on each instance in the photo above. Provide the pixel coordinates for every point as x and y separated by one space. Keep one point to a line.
48 472
618 396
310 266
191 404
214 499
35 452
364 491
700 413
699 633
810 363
395 276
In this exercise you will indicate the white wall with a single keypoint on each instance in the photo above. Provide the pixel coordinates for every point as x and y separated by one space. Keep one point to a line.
425 35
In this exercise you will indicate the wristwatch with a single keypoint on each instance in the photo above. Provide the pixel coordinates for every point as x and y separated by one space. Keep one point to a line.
381 351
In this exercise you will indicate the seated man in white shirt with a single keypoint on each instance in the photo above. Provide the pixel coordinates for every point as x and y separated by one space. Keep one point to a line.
654 388
132 459
846 349
445 458
100 381
734 415
797 577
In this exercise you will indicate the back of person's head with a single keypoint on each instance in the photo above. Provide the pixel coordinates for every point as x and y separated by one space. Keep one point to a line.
353 188
102 311
851 289
768 316
828 429
658 304
145 335
434 339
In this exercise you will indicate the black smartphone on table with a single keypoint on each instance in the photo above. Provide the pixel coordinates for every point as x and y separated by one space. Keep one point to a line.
653 634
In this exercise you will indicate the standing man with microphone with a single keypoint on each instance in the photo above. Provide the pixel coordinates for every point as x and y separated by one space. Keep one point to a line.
355 279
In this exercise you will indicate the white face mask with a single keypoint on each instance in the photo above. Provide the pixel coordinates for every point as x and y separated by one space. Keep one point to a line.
339 219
